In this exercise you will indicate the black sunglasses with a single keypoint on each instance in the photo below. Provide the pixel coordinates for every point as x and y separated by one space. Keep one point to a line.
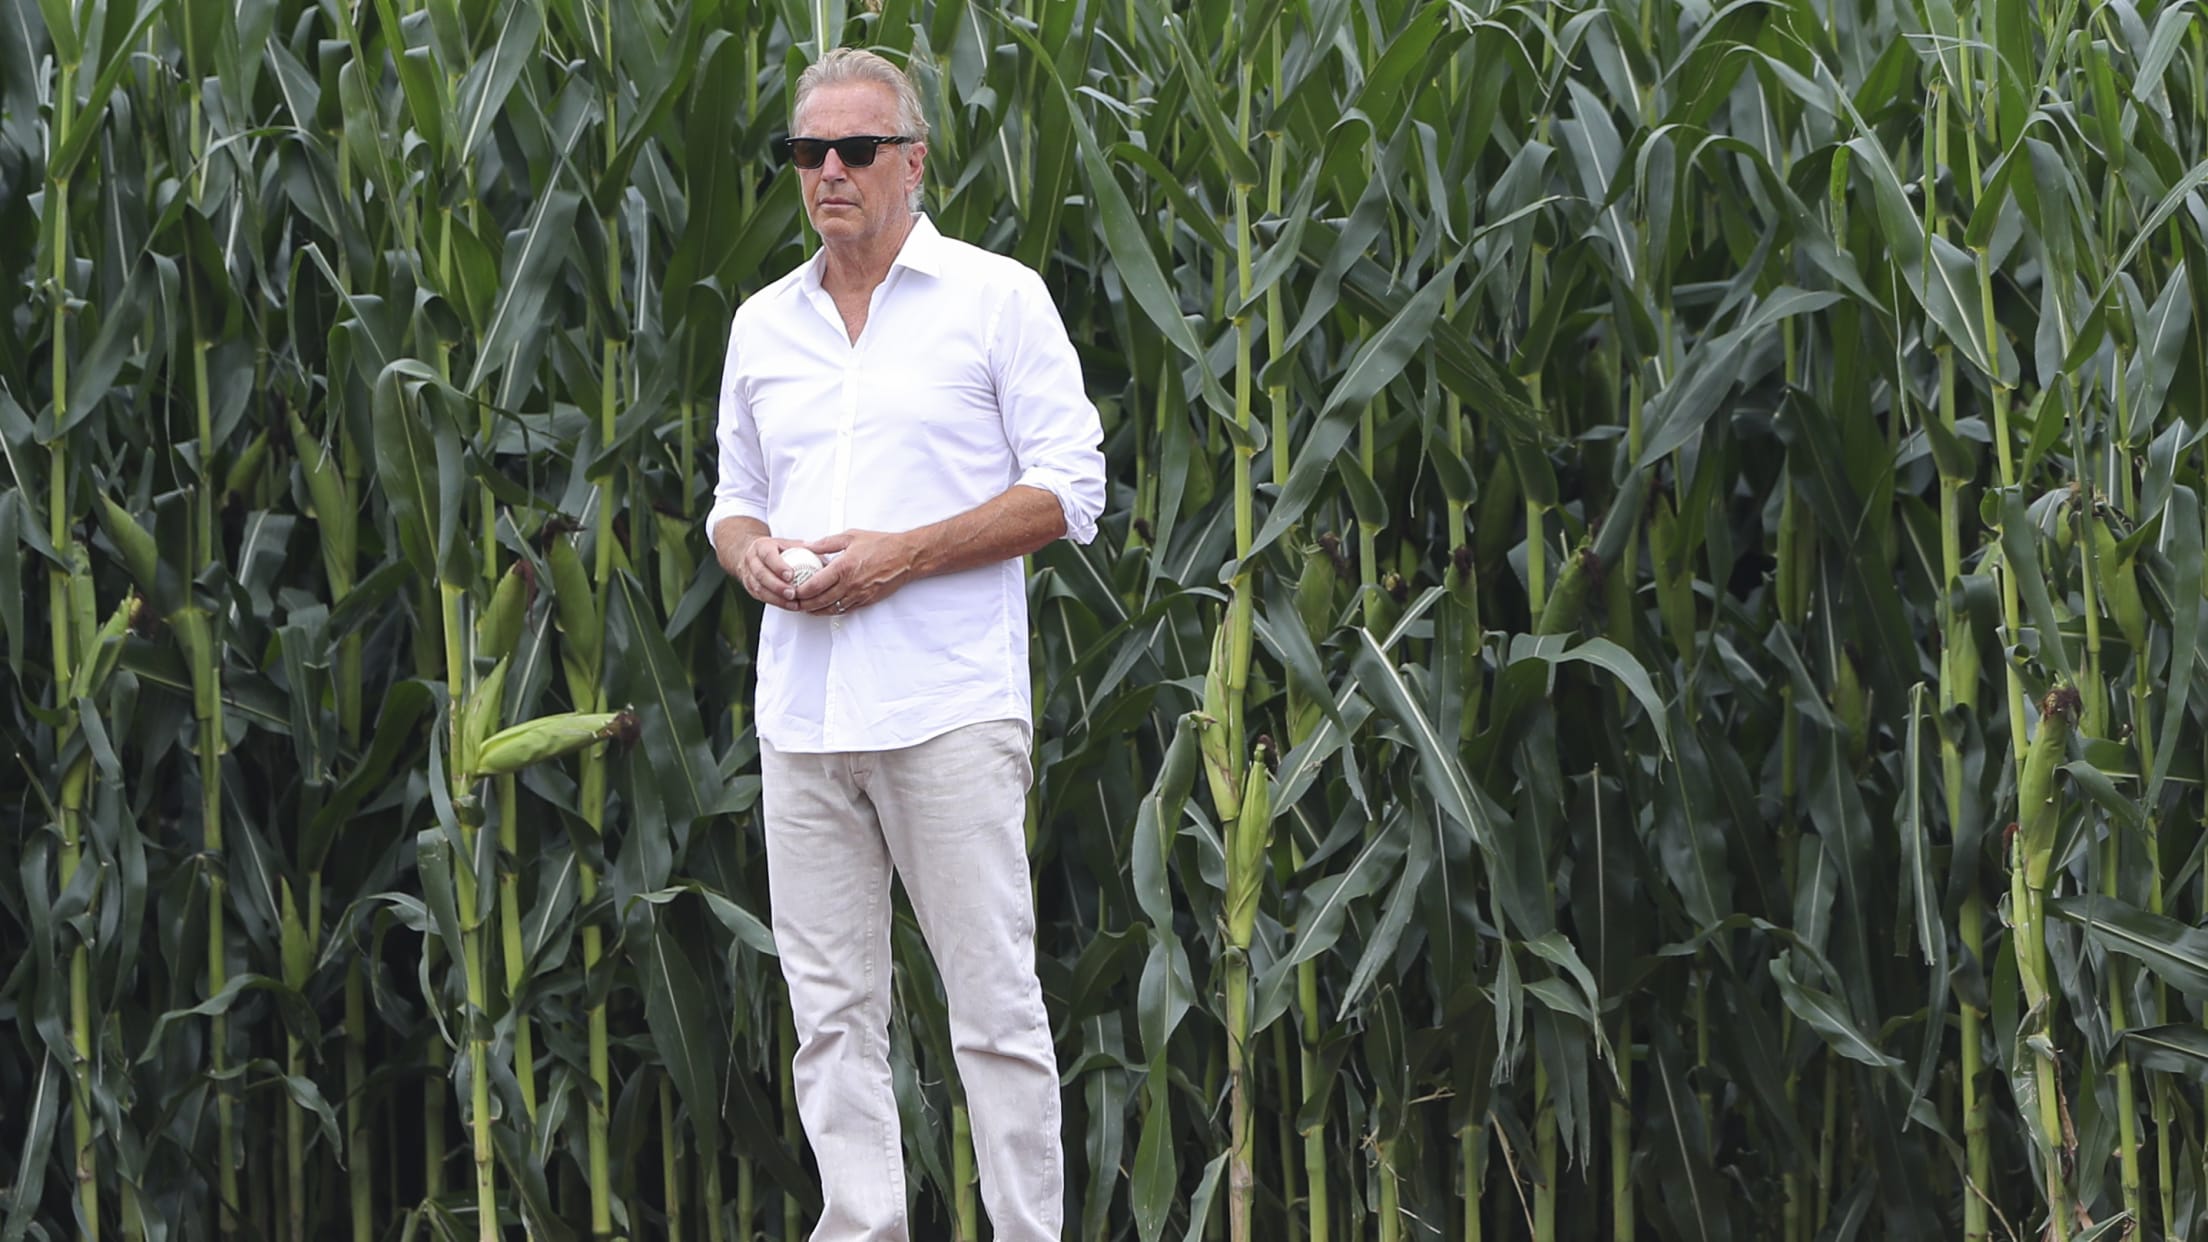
857 151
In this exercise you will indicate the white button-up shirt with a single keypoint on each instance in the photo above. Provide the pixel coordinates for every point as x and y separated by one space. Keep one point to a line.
962 384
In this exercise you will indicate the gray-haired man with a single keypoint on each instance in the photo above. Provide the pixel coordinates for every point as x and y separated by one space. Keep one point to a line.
910 408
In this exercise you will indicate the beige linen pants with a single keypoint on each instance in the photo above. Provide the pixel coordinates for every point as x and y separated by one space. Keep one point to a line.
949 815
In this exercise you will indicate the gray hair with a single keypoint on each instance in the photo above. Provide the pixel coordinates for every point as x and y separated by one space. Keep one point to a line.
846 65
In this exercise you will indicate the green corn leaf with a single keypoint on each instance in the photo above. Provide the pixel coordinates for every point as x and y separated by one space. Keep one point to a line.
1696 1207
2020 559
2177 954
413 448
1156 1172
484 89
222 1002
42 1117
2181 539
61 31
1158 821
1826 1015
685 1030
1199 1204
1186 208
1439 770
1321 912
1611 658
2164 330
115 61
1395 914
1367 220
2175 1048
645 672
535 255
1378 361
713 172
1678 413
421 78
1209 111
1129 244
12 583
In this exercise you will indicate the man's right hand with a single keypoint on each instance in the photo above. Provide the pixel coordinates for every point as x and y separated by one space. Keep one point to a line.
753 557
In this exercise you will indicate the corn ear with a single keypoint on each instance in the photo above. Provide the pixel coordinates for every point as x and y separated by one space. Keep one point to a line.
1219 757
84 625
2120 586
1251 834
1674 584
332 505
98 658
189 624
1963 663
140 556
298 952
1384 604
673 557
1315 585
1458 578
484 708
548 737
245 469
498 626
1203 484
1851 703
1304 715
1499 503
2038 799
2039 817
1568 598
582 637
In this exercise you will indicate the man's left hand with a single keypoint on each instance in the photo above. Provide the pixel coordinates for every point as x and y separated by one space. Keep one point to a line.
867 566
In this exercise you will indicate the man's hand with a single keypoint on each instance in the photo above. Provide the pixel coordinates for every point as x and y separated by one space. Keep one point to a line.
757 563
865 568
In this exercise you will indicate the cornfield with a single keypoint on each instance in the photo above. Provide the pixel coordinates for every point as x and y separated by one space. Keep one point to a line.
1637 683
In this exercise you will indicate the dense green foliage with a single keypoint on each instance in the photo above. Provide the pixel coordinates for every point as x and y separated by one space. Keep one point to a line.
1640 679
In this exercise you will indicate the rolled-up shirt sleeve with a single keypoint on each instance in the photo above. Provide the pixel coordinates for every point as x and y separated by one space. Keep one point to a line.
1054 431
741 489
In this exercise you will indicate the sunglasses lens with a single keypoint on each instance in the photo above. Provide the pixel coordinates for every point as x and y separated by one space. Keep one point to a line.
855 152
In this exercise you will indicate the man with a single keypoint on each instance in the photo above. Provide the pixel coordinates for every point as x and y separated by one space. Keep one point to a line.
908 407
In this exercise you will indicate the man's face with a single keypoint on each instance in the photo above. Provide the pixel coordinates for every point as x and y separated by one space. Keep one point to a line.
855 205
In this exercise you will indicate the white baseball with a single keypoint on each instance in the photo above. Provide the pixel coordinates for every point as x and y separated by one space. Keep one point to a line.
803 564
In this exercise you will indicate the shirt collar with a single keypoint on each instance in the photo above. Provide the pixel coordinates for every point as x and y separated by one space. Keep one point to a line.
923 248
922 251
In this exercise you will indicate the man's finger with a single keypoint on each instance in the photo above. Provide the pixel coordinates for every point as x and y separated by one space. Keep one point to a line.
768 580
823 604
822 581
767 589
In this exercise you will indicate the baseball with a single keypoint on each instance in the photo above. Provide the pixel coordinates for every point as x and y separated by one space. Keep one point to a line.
803 564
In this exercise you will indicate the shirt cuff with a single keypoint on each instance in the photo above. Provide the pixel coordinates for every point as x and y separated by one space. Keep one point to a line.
723 509
1080 517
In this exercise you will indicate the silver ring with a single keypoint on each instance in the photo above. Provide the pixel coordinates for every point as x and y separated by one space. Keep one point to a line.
839 605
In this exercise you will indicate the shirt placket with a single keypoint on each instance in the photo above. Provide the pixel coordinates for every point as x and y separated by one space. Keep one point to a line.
838 712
